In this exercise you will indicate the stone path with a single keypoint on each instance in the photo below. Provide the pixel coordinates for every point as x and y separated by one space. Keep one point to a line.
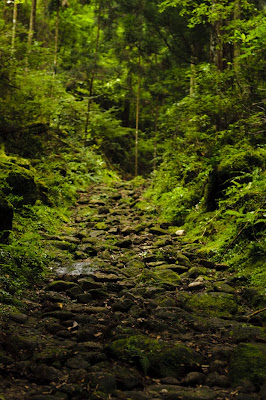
134 317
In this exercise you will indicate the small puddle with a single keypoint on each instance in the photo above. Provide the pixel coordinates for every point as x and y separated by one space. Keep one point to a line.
76 268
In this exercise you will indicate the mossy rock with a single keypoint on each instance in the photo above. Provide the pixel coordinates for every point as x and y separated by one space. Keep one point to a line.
155 356
6 213
167 276
182 259
194 272
156 230
61 286
176 361
217 304
101 226
133 268
241 333
23 185
248 362
228 168
64 245
28 142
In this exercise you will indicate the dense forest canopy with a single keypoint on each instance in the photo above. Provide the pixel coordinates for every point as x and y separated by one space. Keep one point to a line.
169 89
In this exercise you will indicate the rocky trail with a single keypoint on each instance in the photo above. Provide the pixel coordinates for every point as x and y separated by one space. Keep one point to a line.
136 316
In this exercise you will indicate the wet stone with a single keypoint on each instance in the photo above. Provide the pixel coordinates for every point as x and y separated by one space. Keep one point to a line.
101 277
223 287
60 286
74 292
88 346
126 243
44 373
103 210
105 382
61 315
84 298
19 318
123 305
89 283
64 334
215 379
194 379
45 397
77 362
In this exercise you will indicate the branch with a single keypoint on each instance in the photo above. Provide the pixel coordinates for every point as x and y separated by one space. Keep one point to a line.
255 313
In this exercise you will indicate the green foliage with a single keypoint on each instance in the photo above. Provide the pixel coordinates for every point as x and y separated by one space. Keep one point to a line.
201 99
63 166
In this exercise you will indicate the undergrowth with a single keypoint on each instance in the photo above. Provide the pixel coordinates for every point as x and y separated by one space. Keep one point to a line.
54 178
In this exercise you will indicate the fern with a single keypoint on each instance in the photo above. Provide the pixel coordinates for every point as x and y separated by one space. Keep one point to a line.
145 364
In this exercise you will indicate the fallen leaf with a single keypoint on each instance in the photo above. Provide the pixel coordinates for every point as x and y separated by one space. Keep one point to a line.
75 324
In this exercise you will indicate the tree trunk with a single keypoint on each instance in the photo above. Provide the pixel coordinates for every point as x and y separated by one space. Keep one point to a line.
14 29
192 72
56 37
137 122
216 47
156 114
31 29
155 146
6 11
32 22
237 14
94 69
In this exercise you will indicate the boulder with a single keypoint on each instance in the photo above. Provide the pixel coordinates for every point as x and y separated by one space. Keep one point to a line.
23 185
217 304
155 356
61 286
6 213
248 362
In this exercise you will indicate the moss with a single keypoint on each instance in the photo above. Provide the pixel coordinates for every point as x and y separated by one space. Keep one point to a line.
167 276
155 356
6 213
61 286
175 361
216 304
194 272
247 333
22 184
228 168
248 362
101 226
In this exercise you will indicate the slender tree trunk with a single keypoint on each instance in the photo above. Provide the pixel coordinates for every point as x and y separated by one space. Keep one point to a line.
56 37
14 29
155 146
31 29
5 11
32 22
137 122
237 14
192 87
94 69
156 114
216 47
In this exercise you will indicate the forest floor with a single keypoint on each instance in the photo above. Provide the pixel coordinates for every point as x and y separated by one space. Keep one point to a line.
136 316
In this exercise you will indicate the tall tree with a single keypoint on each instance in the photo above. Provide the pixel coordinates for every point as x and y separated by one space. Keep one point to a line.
14 28
94 67
31 29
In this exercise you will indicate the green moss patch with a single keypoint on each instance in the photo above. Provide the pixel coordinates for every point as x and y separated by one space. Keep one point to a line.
221 305
248 362
167 276
155 356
